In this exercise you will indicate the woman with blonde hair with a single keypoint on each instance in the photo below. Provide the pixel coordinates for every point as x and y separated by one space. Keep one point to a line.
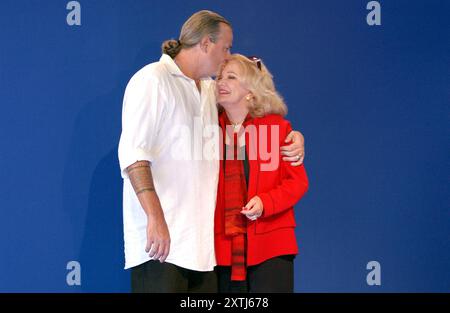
255 240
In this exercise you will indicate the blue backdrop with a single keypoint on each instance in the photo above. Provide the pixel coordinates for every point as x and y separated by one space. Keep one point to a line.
372 102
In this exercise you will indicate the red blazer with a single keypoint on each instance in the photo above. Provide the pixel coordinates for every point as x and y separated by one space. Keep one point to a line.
272 234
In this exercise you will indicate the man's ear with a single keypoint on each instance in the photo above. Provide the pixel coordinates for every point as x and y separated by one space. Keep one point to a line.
205 43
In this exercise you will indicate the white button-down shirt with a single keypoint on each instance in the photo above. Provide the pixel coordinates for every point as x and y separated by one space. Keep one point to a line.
167 121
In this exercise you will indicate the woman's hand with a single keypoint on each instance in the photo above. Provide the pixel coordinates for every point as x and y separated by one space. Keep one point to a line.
253 209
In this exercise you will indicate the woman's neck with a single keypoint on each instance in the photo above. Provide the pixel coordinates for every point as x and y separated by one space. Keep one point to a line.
236 116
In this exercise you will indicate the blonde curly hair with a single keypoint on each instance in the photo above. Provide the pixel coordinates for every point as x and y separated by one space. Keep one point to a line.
259 81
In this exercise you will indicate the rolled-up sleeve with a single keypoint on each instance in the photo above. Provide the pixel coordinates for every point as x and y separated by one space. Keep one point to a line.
142 112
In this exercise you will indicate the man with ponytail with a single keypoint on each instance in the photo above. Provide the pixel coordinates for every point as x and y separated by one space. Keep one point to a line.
169 200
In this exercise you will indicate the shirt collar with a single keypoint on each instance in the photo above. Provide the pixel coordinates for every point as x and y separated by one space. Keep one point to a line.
173 67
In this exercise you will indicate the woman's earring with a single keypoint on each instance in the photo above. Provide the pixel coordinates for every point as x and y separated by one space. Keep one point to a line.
248 97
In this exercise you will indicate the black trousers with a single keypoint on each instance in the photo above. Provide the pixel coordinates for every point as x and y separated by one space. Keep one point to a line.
275 275
156 277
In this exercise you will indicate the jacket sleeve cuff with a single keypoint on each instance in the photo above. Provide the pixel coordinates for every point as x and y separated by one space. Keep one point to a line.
267 204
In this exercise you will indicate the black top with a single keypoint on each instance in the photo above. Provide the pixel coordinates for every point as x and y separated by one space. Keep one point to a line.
241 155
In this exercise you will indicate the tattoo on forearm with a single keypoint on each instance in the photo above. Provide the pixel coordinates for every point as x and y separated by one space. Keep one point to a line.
144 189
141 178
